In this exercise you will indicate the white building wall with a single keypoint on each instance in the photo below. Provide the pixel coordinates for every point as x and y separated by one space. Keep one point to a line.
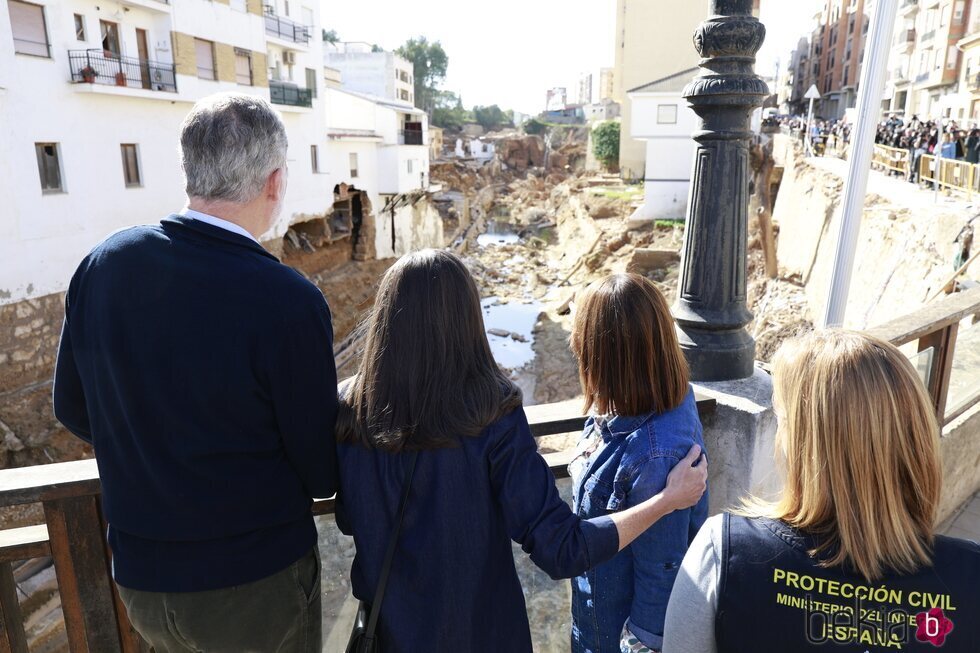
669 152
43 236
382 74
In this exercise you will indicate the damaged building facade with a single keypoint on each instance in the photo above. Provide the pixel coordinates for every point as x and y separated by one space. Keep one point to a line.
98 91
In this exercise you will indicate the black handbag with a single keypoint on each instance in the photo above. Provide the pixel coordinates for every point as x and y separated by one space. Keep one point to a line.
363 636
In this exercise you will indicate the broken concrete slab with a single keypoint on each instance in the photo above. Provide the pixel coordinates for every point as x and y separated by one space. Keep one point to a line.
646 260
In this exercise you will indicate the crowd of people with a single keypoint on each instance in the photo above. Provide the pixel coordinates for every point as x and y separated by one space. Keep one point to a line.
201 370
945 138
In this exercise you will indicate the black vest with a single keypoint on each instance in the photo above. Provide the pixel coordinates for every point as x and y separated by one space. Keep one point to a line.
774 598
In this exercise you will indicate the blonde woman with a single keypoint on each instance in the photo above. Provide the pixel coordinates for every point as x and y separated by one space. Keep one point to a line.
846 558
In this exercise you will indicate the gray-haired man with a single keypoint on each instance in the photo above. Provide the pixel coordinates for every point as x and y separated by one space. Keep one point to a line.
201 369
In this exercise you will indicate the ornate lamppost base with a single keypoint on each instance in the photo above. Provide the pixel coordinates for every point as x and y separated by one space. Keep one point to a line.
717 355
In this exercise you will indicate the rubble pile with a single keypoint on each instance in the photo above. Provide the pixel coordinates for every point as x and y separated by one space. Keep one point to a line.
521 152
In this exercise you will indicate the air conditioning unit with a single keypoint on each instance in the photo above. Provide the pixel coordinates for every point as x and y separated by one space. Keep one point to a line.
289 57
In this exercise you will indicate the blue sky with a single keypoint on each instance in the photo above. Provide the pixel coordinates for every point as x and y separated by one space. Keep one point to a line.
509 52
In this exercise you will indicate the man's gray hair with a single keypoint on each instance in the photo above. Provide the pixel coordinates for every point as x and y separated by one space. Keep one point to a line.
229 145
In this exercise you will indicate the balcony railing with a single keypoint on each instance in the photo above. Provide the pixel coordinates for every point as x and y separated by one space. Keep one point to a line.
290 94
284 28
97 66
928 36
905 38
411 137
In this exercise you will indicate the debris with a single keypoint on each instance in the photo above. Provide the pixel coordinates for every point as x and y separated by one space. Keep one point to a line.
645 260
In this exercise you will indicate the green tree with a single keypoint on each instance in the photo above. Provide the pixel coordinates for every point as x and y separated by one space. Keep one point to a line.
331 36
429 64
492 117
448 111
534 126
605 142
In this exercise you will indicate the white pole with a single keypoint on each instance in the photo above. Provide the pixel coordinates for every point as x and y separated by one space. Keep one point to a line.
807 146
862 145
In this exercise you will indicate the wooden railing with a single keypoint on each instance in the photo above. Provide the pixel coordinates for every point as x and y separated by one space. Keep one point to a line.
74 535
891 158
935 327
950 174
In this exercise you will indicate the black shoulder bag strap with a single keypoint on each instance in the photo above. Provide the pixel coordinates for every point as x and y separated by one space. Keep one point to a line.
379 593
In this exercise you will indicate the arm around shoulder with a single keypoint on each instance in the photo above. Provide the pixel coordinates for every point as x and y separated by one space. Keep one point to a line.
558 541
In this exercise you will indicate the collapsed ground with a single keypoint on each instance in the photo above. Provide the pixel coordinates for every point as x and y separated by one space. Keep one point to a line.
550 230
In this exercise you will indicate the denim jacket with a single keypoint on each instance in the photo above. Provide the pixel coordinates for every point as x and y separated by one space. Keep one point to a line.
622 462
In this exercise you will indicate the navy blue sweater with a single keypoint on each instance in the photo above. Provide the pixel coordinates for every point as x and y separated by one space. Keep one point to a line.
201 369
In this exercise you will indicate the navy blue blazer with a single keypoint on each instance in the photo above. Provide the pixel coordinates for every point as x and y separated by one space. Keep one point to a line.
453 585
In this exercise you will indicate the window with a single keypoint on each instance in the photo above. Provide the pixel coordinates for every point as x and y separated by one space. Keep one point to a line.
315 158
353 165
79 27
285 7
27 25
411 166
49 167
951 57
110 37
243 67
944 17
666 114
308 17
131 165
204 54
311 80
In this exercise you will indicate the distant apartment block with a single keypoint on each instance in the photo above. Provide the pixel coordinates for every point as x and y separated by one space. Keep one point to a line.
365 70
556 99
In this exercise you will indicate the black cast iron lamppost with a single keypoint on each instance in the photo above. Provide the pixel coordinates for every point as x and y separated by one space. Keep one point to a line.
710 311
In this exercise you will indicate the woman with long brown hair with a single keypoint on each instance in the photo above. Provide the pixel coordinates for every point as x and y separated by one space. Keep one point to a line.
846 555
430 410
635 380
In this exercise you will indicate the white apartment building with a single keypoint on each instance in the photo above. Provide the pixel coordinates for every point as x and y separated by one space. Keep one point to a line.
93 92
364 70
380 148
664 120
925 60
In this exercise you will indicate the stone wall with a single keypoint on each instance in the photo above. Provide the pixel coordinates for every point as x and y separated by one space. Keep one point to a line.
29 434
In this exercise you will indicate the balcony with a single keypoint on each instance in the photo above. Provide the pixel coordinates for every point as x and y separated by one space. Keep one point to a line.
905 41
411 137
152 5
290 94
908 7
97 66
928 36
285 29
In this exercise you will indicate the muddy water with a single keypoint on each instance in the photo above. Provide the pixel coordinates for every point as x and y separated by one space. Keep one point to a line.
498 232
